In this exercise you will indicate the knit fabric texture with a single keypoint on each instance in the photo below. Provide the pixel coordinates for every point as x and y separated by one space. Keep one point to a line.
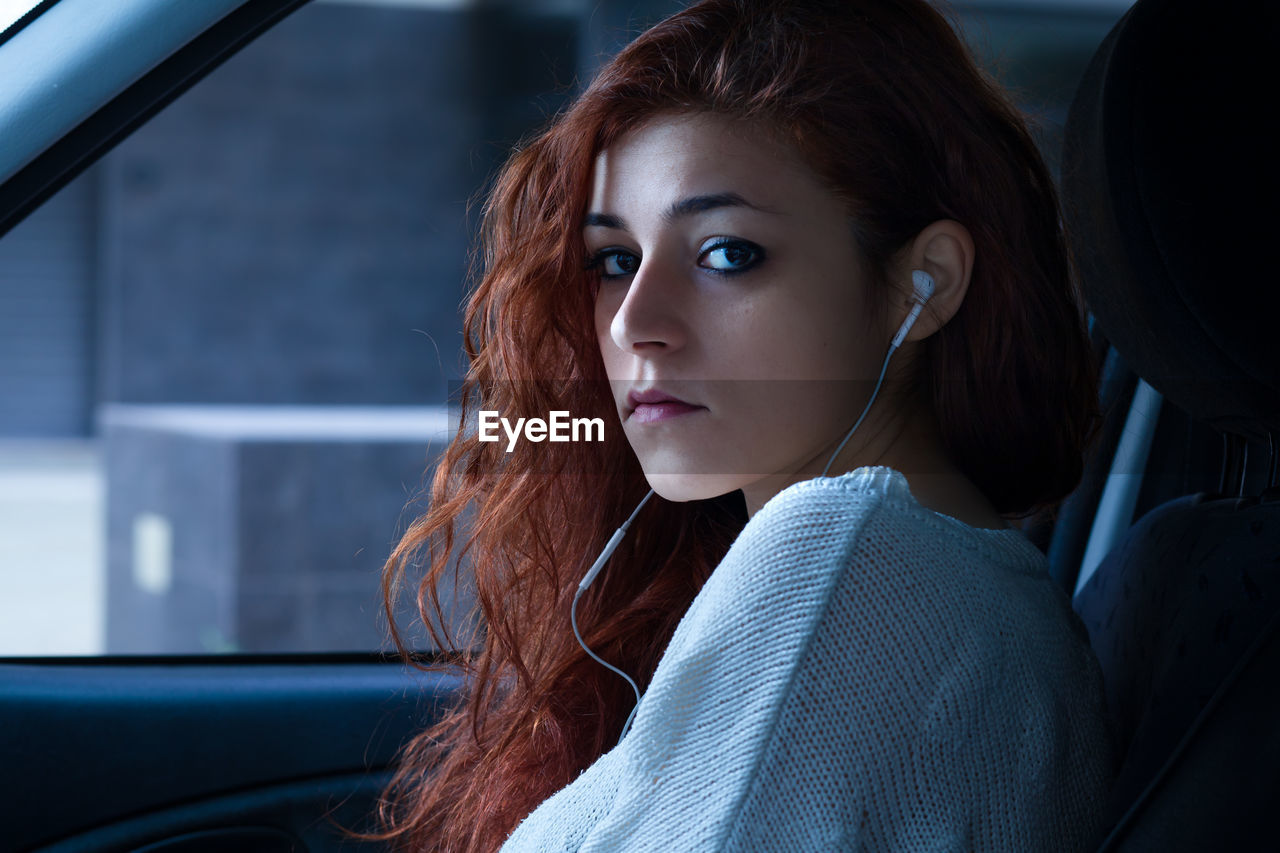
858 673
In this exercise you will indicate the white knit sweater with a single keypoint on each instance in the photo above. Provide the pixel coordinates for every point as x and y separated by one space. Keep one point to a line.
858 673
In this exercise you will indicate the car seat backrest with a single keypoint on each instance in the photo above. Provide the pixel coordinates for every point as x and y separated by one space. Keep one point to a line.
1177 615
1169 188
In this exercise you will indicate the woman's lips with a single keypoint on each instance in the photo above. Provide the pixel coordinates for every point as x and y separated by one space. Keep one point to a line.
649 412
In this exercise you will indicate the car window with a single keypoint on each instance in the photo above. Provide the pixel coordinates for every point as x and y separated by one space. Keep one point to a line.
227 348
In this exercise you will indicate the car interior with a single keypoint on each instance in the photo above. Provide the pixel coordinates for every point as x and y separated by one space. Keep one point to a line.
1169 547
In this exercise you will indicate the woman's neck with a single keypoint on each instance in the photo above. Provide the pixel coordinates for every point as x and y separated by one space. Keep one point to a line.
911 445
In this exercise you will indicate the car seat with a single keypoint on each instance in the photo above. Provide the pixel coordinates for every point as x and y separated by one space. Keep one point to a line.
1170 192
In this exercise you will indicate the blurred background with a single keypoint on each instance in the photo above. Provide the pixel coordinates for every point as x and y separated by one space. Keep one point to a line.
226 348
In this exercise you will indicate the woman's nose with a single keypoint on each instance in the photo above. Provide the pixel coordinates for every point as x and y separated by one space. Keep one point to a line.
650 316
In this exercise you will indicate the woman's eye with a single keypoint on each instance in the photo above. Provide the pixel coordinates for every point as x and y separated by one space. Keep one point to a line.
731 256
615 263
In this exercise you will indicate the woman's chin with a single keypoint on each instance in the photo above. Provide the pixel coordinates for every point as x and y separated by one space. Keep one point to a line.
692 487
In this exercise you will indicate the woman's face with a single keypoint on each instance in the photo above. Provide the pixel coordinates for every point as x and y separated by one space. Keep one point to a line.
730 280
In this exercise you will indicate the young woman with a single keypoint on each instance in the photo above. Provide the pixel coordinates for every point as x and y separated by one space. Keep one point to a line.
804 261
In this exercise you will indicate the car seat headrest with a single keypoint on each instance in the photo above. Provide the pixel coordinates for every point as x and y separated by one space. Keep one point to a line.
1170 195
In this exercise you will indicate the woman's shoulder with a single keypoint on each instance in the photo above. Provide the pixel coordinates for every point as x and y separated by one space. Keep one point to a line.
871 552
859 546
871 513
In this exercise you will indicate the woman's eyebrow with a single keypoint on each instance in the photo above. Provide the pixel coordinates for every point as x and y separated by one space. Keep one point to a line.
684 207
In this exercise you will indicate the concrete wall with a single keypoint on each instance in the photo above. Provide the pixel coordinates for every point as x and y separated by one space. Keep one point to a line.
48 272
260 529
294 229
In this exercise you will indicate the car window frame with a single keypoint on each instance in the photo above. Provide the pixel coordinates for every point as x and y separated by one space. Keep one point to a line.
95 125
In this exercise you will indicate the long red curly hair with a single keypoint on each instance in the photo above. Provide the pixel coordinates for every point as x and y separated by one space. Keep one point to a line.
881 99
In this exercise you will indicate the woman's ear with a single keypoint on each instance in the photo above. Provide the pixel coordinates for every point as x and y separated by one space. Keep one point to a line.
944 250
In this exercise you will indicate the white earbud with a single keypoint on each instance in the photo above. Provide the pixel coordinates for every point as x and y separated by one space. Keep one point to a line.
922 284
